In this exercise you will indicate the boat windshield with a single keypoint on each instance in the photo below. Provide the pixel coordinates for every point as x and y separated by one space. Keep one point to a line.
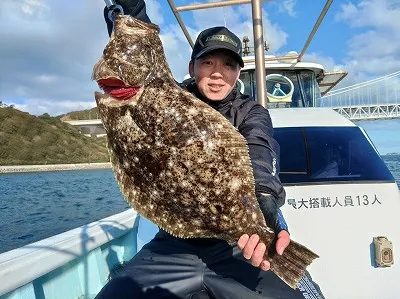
306 92
328 154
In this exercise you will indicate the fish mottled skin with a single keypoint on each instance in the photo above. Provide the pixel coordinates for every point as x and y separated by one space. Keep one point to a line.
179 162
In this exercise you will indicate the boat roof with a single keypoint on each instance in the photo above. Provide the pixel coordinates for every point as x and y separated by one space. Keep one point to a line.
308 117
272 61
330 80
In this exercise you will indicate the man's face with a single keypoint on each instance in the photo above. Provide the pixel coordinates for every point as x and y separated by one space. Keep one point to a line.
215 73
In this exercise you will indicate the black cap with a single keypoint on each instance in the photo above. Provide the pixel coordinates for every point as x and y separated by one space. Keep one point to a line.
217 38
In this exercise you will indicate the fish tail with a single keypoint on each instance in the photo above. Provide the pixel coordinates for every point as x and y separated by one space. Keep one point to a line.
291 266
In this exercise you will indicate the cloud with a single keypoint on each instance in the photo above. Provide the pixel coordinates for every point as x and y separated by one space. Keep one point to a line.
375 49
51 46
48 53
372 51
373 13
177 50
327 62
46 79
41 106
154 11
25 8
287 6
32 7
239 20
274 34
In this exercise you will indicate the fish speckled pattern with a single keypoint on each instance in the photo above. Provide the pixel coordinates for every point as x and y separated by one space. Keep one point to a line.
179 162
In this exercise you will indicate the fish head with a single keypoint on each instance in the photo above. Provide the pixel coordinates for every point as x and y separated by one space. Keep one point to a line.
129 59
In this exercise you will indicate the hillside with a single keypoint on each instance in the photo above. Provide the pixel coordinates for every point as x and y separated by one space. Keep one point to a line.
79 115
28 140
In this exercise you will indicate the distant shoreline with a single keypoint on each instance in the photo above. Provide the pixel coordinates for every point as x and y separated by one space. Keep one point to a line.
52 167
79 166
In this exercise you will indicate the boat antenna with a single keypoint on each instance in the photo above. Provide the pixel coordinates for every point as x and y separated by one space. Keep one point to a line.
246 48
223 9
266 42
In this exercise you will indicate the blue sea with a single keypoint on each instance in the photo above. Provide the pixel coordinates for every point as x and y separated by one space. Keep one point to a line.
34 206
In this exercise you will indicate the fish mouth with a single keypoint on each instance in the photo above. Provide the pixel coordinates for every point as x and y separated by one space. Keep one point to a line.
117 89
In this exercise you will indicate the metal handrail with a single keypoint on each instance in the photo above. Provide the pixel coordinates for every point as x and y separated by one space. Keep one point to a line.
275 58
213 4
315 28
180 22
259 53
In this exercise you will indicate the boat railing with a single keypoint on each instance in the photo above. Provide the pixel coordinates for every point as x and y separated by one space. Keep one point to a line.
74 264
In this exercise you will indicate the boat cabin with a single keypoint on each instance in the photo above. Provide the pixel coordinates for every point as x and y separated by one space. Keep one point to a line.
289 83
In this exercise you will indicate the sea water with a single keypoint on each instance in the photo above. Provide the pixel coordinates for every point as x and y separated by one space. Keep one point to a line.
34 206
37 205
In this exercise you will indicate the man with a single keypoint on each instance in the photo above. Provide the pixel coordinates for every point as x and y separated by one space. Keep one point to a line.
168 267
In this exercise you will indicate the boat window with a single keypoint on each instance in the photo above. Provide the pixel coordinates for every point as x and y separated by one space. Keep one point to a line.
334 154
245 79
293 166
298 99
310 87
306 91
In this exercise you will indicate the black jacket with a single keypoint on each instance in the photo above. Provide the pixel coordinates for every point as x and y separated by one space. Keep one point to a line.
253 122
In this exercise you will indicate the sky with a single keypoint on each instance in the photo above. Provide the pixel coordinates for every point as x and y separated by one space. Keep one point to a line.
48 48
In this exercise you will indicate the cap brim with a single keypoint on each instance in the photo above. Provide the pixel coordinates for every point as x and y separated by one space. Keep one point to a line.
217 47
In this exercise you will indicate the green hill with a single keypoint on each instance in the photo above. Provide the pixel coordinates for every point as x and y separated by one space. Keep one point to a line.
28 140
79 115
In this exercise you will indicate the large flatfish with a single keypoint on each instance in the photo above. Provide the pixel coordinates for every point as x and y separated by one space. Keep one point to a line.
179 162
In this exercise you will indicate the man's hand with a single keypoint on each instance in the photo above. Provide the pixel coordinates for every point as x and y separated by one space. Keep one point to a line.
282 242
254 251
135 8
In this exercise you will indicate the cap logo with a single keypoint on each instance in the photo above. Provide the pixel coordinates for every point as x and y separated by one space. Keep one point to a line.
222 38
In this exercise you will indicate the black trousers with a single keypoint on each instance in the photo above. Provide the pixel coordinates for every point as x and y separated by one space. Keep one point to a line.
169 267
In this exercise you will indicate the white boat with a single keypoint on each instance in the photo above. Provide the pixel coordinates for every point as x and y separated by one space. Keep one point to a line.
342 202
339 211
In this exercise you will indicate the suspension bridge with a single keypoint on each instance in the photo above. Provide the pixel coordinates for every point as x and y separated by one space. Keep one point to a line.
370 100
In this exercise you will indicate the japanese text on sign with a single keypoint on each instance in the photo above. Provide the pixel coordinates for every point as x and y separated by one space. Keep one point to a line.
333 202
